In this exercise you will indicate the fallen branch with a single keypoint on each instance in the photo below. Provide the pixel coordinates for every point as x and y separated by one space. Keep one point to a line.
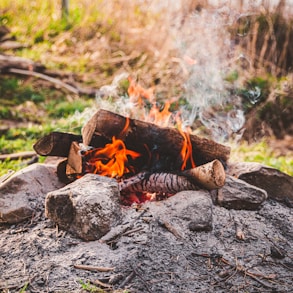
45 77
16 156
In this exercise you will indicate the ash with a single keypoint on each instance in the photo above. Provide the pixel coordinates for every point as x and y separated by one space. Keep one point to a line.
148 257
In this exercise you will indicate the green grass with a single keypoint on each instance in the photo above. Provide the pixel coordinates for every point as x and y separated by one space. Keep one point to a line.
58 43
260 152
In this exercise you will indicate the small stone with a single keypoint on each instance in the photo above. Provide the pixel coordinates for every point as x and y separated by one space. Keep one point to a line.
237 194
277 184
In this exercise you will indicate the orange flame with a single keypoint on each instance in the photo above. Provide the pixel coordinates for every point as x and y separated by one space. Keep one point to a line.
137 93
186 150
110 160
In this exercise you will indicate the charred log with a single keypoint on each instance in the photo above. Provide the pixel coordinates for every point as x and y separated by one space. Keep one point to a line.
157 182
55 144
163 142
210 176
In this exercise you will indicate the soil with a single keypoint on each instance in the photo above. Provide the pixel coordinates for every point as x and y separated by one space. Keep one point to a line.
246 251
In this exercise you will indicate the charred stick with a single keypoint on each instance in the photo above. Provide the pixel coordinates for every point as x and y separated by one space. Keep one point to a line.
128 279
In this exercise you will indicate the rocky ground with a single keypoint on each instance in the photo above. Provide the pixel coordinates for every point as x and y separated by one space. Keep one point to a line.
156 249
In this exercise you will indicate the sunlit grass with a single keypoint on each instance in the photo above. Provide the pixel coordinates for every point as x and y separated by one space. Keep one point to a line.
260 152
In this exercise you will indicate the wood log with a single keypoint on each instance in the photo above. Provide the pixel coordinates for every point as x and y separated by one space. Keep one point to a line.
157 182
55 144
164 142
210 176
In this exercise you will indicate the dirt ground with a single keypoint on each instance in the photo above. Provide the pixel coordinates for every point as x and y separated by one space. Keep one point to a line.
37 257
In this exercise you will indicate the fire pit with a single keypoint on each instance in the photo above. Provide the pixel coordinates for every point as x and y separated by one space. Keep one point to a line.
122 161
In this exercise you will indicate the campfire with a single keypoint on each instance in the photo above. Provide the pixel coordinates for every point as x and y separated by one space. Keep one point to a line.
147 160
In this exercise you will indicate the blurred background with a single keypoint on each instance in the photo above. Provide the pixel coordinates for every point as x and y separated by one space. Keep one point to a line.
224 66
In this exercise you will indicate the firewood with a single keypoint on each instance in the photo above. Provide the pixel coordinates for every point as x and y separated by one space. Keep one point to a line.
165 142
157 182
210 176
55 144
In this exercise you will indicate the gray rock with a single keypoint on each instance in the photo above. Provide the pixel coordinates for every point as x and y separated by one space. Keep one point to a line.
87 208
190 209
23 194
238 194
277 184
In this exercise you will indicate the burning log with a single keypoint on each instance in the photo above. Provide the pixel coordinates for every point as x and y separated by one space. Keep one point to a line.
157 182
210 176
165 142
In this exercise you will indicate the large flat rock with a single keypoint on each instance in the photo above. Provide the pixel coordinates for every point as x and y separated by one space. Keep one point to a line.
23 194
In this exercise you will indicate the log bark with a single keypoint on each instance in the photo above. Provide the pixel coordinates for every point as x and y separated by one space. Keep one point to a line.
164 142
209 176
157 182
56 144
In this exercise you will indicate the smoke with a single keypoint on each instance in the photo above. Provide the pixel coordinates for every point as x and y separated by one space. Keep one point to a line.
207 54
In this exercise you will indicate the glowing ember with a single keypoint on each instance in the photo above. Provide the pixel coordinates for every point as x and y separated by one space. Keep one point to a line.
109 161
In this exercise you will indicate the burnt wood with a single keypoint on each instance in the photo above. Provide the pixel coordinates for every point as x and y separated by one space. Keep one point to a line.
56 144
161 142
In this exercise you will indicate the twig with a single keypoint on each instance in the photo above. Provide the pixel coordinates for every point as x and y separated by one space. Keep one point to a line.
132 231
243 270
142 279
170 228
128 279
112 237
93 268
100 284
